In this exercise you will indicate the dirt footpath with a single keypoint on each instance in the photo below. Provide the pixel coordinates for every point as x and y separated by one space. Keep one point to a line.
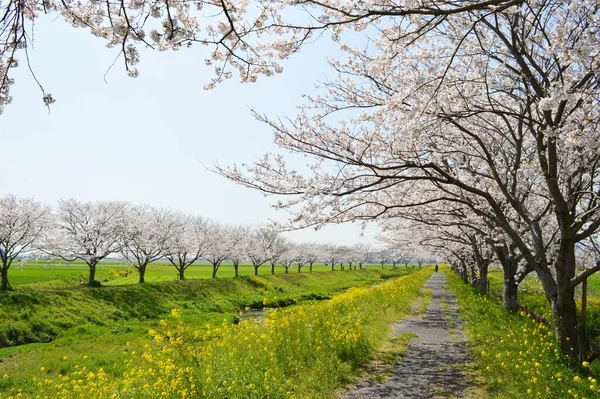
434 364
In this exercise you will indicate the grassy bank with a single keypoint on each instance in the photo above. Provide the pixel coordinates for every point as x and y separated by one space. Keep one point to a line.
532 298
517 356
305 351
106 324
32 315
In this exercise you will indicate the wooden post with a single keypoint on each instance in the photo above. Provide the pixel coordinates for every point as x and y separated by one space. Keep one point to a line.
584 289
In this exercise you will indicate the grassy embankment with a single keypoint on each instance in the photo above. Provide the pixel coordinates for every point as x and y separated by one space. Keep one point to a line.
516 356
303 351
532 298
99 322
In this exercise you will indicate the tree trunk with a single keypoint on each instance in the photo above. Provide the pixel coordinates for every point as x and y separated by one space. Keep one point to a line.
483 277
382 265
310 267
256 270
5 283
287 269
332 266
564 308
474 279
214 271
272 268
464 274
299 268
509 293
235 268
181 273
564 311
510 286
142 271
92 276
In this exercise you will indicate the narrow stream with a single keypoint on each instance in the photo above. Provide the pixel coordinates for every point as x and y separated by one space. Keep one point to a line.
255 315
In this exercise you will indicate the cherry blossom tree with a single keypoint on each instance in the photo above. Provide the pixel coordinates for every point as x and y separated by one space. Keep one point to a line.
146 236
23 222
218 246
260 246
362 253
333 254
240 240
491 105
277 253
288 256
187 242
382 256
311 253
222 25
86 231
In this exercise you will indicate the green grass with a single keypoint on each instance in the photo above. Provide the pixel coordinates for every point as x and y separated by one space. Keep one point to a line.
515 356
108 323
304 351
531 297
51 274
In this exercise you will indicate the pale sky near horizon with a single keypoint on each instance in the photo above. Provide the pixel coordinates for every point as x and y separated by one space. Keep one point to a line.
144 140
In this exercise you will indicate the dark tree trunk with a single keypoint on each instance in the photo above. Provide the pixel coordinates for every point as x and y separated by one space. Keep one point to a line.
332 266
181 273
510 286
382 265
256 270
474 280
272 268
214 271
565 315
564 308
92 275
5 283
287 269
483 277
299 268
464 273
235 268
142 271
310 267
509 293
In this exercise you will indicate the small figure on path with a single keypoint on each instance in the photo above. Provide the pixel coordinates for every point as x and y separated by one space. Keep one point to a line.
436 268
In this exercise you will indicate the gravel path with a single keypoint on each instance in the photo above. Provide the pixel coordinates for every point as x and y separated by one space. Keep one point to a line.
432 368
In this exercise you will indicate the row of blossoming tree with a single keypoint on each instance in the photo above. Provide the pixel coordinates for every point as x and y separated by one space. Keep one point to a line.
479 119
480 113
141 234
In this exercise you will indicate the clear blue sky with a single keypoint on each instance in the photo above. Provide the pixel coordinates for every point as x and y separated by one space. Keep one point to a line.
143 140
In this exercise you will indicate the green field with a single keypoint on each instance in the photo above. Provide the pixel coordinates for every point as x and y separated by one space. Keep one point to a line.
48 331
110 273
